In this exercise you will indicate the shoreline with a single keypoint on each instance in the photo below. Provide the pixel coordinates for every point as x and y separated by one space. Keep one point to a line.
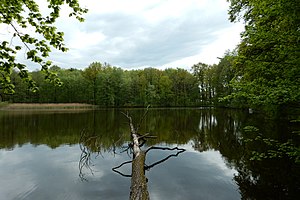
46 106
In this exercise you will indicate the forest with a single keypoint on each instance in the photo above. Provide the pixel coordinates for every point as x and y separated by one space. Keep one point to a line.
109 86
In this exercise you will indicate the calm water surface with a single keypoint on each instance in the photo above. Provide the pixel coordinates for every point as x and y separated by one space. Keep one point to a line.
40 153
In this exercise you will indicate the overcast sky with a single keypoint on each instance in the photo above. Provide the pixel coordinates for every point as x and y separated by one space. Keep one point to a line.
147 33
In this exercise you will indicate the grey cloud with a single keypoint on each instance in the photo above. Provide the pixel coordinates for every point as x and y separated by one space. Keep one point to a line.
132 42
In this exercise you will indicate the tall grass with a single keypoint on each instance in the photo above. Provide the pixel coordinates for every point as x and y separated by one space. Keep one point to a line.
48 106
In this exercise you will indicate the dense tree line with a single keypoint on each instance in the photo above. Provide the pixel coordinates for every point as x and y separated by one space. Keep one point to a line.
105 85
108 86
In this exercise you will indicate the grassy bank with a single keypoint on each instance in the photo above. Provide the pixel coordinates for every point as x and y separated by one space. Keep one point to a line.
3 104
45 106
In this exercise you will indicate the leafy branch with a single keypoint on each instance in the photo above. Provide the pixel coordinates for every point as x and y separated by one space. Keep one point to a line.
24 14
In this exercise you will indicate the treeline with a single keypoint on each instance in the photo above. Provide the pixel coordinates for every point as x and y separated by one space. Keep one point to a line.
108 86
214 81
105 85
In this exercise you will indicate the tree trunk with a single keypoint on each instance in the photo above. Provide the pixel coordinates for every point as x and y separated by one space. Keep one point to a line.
139 190
138 187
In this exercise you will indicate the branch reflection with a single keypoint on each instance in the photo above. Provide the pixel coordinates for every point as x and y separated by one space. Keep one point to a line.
148 167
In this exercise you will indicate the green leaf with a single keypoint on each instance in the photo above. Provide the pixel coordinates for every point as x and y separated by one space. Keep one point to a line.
18 47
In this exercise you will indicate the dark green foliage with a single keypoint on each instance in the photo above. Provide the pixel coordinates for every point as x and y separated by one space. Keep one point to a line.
91 74
263 71
268 61
108 86
271 148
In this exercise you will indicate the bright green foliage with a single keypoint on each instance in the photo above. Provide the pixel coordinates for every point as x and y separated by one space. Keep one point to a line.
268 61
23 14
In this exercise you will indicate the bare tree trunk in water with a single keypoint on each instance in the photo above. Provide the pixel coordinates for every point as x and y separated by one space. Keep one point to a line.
138 188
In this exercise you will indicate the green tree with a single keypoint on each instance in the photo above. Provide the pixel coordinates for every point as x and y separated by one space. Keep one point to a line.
75 88
152 77
21 15
224 74
165 91
118 86
21 88
133 87
142 85
91 74
199 71
268 60
210 83
185 87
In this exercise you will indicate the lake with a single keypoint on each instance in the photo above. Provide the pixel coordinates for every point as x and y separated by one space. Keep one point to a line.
41 155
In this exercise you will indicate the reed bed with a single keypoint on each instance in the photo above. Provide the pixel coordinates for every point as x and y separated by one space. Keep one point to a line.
47 106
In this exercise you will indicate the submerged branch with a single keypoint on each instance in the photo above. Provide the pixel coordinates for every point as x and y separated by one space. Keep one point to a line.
180 150
122 174
138 188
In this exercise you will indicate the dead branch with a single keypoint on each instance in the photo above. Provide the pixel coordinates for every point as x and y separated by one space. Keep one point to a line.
180 150
147 136
142 119
117 171
165 148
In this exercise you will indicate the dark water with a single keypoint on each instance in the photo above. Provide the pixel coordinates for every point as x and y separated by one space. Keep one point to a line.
40 153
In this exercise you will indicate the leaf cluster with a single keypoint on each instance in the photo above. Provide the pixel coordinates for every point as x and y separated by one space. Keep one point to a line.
21 15
273 149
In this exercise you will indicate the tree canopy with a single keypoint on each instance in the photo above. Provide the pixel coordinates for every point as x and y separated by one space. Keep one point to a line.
109 86
268 60
21 15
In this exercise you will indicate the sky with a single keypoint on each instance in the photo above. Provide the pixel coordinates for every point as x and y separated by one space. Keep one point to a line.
135 34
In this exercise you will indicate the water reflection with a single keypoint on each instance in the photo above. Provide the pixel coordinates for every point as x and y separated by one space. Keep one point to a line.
139 186
40 152
42 173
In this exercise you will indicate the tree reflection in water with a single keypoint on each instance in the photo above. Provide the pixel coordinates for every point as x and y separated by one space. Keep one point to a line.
267 161
221 130
138 189
148 167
